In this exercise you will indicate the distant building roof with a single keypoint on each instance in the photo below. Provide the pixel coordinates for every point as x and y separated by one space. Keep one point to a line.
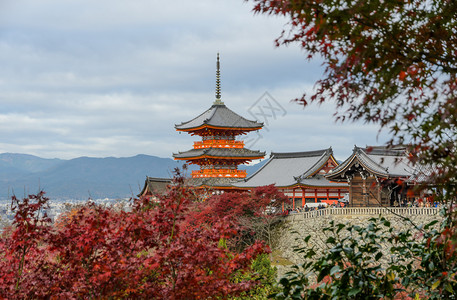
159 186
219 152
380 161
292 168
219 116
155 185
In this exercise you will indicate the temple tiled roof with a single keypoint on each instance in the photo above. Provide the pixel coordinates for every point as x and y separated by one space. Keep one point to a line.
219 152
159 186
377 160
218 115
288 169
319 181
155 185
423 174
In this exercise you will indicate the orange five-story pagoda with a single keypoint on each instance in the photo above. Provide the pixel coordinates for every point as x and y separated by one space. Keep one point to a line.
218 153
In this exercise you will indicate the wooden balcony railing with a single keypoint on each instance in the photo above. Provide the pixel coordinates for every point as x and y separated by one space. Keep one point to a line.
218 144
219 173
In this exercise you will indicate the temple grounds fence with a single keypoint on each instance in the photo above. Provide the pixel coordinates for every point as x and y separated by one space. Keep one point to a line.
374 211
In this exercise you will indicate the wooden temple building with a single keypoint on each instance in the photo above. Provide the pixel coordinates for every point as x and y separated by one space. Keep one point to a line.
300 176
376 176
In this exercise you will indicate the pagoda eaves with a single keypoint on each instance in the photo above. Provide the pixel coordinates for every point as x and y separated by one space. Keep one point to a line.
241 155
219 117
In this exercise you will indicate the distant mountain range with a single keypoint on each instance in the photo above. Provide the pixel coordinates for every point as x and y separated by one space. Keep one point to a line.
84 177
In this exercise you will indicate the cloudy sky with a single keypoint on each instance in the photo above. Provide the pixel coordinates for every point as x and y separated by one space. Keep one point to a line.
112 78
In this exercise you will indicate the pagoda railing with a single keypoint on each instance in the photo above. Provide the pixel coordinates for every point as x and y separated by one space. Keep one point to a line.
218 144
207 173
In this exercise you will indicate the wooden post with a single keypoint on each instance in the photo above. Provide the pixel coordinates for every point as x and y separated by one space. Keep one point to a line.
378 185
293 198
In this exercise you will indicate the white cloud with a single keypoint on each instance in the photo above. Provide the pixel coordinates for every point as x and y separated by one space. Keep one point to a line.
112 78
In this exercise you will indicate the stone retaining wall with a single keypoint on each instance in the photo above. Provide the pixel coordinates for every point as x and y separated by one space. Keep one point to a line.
312 223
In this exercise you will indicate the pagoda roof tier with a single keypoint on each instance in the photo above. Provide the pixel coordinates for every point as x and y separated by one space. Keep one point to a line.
222 153
219 116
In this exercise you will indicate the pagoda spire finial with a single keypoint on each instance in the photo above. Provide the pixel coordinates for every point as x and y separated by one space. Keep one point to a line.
218 83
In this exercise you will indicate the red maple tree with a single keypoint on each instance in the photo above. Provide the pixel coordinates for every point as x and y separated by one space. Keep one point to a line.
99 252
254 212
392 63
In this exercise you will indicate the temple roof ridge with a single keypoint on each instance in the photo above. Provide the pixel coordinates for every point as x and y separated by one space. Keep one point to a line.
301 153
385 150
159 179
